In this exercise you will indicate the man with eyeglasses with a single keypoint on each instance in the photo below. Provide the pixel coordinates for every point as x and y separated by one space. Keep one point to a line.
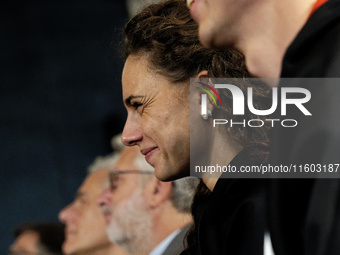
41 238
143 214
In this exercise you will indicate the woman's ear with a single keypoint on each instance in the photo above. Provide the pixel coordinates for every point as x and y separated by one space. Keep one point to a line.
208 105
202 74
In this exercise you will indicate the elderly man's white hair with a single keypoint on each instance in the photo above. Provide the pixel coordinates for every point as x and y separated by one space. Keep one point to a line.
108 161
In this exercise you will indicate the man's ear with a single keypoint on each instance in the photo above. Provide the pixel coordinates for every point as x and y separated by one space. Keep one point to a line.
157 192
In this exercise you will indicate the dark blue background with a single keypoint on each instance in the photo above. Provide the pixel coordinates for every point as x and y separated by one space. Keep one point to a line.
60 101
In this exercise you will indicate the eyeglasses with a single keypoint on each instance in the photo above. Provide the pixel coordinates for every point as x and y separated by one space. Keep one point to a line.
114 176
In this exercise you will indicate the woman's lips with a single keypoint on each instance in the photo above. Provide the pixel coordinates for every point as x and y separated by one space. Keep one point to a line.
148 154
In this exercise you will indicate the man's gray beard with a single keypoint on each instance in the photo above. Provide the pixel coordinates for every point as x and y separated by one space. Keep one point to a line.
131 224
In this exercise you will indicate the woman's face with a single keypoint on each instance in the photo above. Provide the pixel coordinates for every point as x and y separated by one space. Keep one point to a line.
158 118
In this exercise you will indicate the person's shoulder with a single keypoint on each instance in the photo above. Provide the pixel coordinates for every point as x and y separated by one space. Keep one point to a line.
177 245
322 25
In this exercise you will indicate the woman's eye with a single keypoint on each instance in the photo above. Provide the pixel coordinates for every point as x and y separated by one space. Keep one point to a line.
138 107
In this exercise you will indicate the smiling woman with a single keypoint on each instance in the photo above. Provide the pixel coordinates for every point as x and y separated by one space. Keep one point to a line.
158 118
162 52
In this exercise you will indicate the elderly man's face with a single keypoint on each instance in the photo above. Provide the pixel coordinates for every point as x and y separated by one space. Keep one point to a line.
85 224
123 204
26 243
158 118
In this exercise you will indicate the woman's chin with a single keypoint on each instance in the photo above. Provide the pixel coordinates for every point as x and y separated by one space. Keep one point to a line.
167 174
160 174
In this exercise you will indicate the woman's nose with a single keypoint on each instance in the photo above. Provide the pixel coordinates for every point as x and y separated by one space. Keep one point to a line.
132 133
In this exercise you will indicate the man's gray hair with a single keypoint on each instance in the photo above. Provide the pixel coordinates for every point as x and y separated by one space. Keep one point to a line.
103 162
110 160
183 193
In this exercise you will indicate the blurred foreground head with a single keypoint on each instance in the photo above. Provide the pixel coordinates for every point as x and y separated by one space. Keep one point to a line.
38 239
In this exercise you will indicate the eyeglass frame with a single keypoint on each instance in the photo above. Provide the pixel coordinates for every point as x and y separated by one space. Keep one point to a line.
115 172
